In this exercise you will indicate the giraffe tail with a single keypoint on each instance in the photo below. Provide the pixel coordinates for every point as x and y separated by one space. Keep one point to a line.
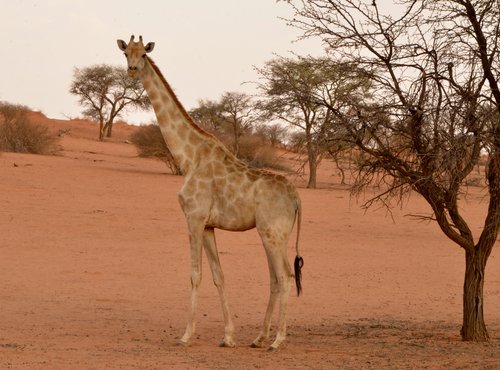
299 261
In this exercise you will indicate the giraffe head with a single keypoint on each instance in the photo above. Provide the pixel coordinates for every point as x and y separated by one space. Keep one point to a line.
136 54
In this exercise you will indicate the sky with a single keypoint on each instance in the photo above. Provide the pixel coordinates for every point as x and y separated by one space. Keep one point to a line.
203 47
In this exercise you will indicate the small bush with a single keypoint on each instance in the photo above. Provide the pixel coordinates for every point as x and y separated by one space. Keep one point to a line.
256 152
18 134
474 181
253 150
150 143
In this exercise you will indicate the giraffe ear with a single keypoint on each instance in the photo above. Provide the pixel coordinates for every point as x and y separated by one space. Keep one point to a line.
149 47
122 45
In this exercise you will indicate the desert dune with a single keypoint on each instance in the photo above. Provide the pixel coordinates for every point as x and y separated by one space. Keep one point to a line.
94 271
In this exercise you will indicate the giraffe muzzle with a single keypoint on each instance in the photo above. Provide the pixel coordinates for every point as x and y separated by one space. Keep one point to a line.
132 71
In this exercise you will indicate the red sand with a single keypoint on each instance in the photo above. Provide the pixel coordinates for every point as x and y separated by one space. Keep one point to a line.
94 265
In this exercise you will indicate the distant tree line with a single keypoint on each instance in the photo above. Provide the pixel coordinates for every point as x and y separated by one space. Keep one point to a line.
286 112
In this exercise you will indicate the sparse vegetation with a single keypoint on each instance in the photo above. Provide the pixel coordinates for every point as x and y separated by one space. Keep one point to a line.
253 149
150 143
19 134
233 119
308 94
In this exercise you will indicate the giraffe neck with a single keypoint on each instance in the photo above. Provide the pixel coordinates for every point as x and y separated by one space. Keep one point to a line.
182 135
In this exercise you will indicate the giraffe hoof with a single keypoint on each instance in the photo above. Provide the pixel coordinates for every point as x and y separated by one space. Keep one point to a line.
227 344
272 349
181 343
256 345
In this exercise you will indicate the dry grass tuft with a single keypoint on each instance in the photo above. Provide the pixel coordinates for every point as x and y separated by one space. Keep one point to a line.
256 152
150 143
18 134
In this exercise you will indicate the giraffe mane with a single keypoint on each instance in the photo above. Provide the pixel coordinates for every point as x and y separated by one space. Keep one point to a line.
178 103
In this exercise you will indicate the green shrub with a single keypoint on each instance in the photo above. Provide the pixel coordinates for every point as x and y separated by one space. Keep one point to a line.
18 134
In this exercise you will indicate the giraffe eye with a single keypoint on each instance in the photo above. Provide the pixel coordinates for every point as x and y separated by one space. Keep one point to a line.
144 55
125 54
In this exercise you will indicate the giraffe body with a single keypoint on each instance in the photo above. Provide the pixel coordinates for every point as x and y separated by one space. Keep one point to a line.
222 192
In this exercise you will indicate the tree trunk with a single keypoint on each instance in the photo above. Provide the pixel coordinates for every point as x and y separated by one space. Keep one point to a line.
109 126
473 327
312 172
236 145
101 130
342 173
311 159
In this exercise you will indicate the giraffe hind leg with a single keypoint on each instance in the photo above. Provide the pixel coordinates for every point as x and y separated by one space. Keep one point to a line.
284 275
273 295
281 280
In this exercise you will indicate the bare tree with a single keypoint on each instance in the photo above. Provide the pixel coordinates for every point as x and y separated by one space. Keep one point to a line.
300 92
238 111
105 92
275 133
435 67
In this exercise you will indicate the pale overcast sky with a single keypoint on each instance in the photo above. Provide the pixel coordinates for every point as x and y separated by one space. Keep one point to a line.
203 47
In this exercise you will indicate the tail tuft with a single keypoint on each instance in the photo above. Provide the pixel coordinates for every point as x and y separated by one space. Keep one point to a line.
299 262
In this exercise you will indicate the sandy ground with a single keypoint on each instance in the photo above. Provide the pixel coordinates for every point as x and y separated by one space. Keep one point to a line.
94 271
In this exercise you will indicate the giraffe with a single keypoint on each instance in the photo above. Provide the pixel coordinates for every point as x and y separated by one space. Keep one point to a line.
220 191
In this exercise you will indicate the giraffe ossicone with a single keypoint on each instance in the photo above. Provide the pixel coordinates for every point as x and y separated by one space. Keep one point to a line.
221 192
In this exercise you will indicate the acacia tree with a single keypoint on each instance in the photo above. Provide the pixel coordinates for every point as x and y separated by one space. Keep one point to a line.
299 91
275 133
232 114
105 92
208 114
435 68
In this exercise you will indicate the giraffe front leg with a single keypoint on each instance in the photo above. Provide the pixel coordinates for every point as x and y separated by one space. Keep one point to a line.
195 238
218 277
191 325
